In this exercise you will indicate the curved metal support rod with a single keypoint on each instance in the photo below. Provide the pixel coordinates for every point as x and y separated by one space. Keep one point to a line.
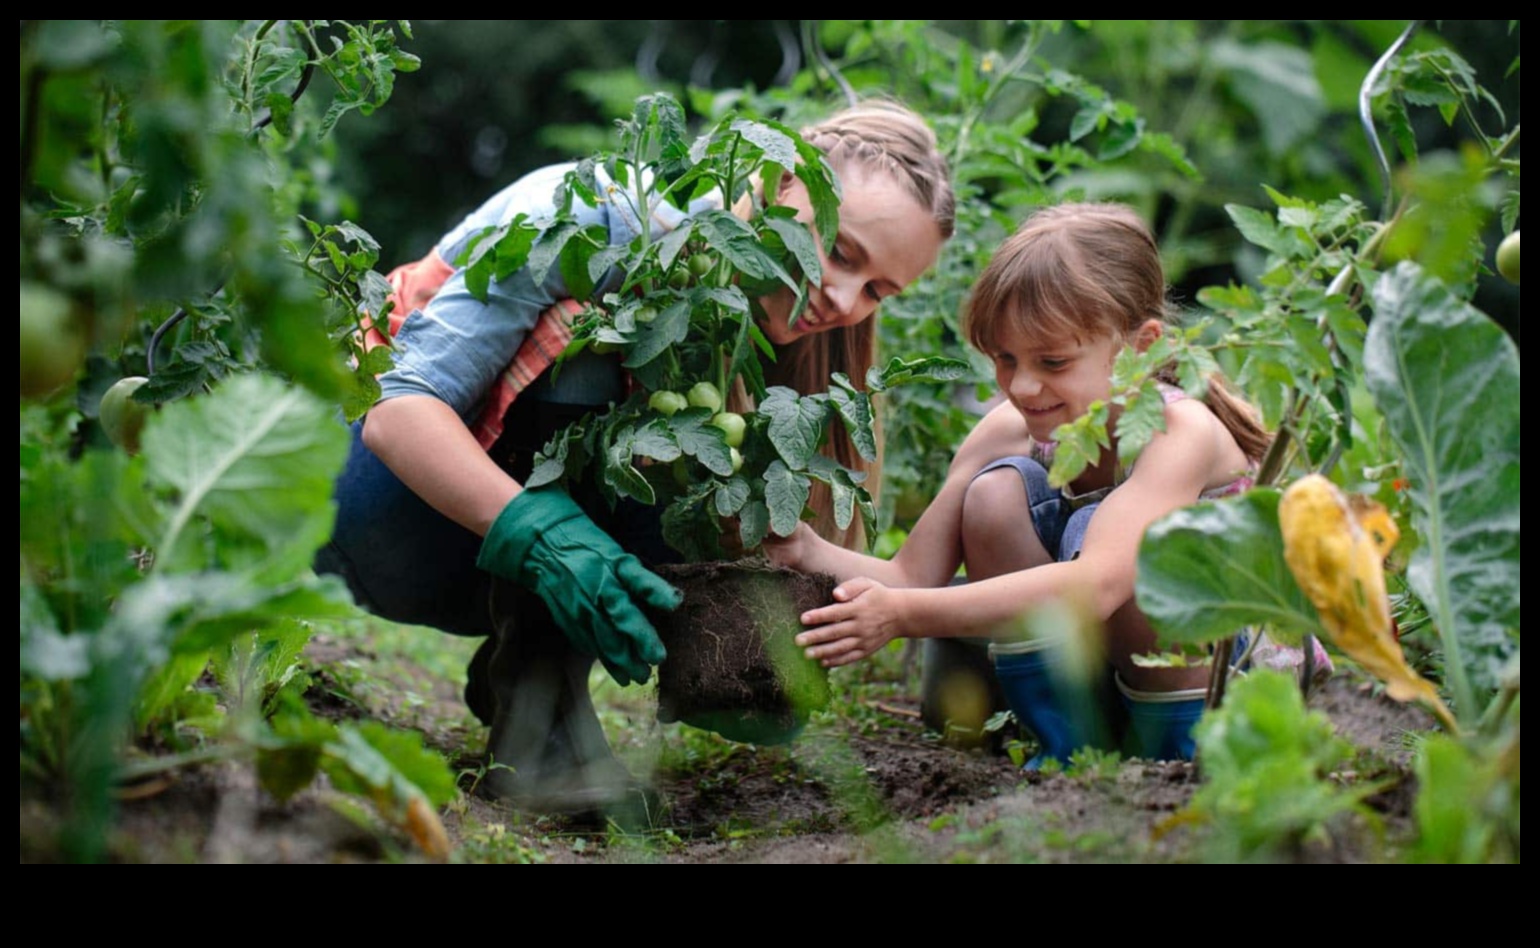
1366 113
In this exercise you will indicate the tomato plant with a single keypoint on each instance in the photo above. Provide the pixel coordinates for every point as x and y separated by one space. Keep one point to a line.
683 319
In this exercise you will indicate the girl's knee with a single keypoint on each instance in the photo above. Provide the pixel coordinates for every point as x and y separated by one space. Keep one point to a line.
994 502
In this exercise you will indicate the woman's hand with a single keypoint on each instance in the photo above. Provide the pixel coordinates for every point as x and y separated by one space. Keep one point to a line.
865 616
790 552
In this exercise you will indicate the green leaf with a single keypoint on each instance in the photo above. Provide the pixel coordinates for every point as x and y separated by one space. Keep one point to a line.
673 242
547 248
900 371
1258 228
796 424
731 496
736 241
1140 422
622 476
753 524
1079 444
855 409
653 339
786 494
777 145
655 440
799 241
701 440
383 764
1210 570
1446 379
251 467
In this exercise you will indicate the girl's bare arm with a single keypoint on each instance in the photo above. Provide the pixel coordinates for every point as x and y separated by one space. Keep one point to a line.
931 554
1171 473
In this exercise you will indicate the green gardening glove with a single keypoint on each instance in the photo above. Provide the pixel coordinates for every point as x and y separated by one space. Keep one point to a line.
545 542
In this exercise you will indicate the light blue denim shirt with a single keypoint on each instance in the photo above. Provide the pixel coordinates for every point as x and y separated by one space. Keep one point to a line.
455 348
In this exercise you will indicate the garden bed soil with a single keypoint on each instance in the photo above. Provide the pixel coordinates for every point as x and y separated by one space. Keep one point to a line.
868 785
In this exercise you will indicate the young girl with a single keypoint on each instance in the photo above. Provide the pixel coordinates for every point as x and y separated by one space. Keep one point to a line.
434 526
1057 303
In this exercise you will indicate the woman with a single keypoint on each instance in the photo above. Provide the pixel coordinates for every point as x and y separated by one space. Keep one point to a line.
433 521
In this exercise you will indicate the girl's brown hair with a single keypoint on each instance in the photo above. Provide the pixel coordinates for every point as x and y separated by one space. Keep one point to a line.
1083 271
875 134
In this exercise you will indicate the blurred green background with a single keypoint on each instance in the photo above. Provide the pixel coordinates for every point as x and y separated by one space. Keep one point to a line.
1253 103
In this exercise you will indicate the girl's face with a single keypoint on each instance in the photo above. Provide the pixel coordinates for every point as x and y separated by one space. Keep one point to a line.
885 241
1053 382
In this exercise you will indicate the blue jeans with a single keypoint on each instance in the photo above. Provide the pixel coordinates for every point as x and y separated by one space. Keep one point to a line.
1061 526
406 562
1062 530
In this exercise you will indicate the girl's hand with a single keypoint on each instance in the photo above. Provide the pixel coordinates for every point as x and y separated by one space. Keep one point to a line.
865 616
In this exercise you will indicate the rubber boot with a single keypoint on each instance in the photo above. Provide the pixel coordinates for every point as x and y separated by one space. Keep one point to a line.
546 751
1062 710
959 691
1161 722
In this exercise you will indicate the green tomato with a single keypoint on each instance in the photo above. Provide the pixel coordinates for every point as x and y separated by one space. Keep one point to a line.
1508 258
646 314
123 418
732 424
701 264
681 469
52 346
600 347
737 459
679 279
666 403
705 395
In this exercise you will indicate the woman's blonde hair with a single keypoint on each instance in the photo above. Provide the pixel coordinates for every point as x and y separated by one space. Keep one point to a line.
874 134
1084 271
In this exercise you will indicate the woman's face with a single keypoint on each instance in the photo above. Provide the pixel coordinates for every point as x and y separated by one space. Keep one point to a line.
885 241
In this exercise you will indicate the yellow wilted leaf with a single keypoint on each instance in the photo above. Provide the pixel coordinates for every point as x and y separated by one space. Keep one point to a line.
1335 546
426 829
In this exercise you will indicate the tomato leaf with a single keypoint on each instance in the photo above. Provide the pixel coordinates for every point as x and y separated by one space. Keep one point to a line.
786 493
796 423
1210 570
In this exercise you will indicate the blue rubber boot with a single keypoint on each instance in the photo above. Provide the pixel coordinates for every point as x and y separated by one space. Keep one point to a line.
1161 722
1061 711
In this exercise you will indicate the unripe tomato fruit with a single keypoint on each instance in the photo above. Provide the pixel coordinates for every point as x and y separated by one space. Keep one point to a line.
52 346
1508 258
123 418
732 425
679 279
666 403
701 264
737 459
705 395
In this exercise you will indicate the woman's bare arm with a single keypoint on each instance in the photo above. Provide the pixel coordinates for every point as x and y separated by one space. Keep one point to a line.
424 442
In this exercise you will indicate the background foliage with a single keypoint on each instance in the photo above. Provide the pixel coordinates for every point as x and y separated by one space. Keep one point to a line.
212 203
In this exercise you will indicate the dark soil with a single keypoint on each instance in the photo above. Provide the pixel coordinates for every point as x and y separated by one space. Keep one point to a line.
865 782
732 664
